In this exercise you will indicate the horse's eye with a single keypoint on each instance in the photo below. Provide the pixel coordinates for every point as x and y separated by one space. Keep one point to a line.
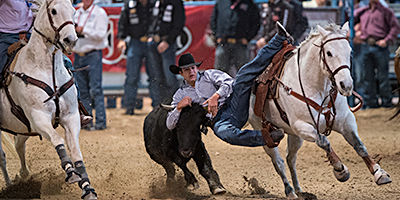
53 11
329 54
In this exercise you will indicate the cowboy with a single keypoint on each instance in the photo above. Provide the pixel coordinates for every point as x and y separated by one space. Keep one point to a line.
227 102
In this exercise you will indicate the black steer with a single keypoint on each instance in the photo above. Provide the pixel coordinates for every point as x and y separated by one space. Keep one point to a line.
180 145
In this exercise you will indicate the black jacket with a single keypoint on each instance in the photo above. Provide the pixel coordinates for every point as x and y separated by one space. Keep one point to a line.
134 20
170 20
239 19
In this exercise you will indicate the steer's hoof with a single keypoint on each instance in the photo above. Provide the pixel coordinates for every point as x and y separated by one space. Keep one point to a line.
342 175
193 186
219 190
381 177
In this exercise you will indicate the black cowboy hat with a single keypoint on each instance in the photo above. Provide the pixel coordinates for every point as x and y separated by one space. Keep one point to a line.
186 60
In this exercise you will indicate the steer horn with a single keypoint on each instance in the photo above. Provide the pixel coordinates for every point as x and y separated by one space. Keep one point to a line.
167 107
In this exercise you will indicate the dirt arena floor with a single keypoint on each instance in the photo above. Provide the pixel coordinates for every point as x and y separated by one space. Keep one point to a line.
119 167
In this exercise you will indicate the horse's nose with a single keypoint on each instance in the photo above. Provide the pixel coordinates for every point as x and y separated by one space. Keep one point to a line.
347 89
187 153
70 41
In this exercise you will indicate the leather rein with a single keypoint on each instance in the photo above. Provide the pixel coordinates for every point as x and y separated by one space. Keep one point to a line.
56 93
325 110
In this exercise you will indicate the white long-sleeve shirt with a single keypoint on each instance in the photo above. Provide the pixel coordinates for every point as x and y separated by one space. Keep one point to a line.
94 21
207 83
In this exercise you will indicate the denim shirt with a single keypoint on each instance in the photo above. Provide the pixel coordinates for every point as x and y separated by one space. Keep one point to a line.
207 83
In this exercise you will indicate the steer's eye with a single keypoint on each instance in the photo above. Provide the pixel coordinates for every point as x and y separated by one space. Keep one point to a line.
329 54
53 11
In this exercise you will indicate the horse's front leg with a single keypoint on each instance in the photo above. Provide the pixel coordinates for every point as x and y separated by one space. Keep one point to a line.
72 127
20 146
348 128
308 132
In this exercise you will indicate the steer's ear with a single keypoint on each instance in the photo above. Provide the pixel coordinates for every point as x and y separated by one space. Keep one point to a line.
167 107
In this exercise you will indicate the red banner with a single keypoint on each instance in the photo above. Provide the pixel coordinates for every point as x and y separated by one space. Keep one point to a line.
193 40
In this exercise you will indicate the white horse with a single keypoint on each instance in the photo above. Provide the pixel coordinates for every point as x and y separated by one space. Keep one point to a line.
319 71
41 61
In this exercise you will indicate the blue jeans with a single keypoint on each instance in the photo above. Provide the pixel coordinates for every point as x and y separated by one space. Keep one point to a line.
137 51
227 55
6 39
376 83
89 81
162 62
234 114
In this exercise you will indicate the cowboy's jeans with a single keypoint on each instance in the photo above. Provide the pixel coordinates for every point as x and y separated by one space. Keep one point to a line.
234 114
6 39
89 81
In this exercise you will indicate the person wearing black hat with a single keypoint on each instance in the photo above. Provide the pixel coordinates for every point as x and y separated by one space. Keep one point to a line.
227 100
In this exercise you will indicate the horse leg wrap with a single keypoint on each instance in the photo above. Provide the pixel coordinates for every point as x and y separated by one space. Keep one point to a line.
65 161
80 167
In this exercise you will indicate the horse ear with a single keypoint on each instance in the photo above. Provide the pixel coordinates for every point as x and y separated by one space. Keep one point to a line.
345 27
322 31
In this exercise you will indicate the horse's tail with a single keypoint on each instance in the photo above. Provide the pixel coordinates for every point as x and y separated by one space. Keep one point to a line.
397 72
5 138
397 107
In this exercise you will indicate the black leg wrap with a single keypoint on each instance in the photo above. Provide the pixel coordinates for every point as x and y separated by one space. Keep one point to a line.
63 156
80 167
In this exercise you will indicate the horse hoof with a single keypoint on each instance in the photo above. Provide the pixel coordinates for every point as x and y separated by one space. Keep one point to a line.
342 175
72 176
381 176
219 190
193 186
291 195
90 196
88 193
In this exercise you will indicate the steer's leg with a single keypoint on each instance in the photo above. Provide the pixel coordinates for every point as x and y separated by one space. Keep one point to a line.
206 169
189 177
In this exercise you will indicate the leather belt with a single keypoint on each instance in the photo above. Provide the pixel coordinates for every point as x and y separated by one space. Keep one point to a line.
87 53
143 38
231 40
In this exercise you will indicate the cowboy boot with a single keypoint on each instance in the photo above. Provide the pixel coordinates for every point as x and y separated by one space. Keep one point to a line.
282 32
84 115
272 137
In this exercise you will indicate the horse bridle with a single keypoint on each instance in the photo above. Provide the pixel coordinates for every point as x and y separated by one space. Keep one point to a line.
332 92
322 55
56 41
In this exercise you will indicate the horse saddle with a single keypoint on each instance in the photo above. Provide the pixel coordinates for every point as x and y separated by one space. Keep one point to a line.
265 87
12 53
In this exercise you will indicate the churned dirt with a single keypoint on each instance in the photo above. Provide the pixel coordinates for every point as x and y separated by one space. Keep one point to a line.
119 167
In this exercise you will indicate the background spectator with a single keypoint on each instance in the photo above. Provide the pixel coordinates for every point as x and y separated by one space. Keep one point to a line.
91 27
379 27
134 21
233 23
167 23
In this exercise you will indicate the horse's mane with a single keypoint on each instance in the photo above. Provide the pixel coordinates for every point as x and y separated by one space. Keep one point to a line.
332 27
38 4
